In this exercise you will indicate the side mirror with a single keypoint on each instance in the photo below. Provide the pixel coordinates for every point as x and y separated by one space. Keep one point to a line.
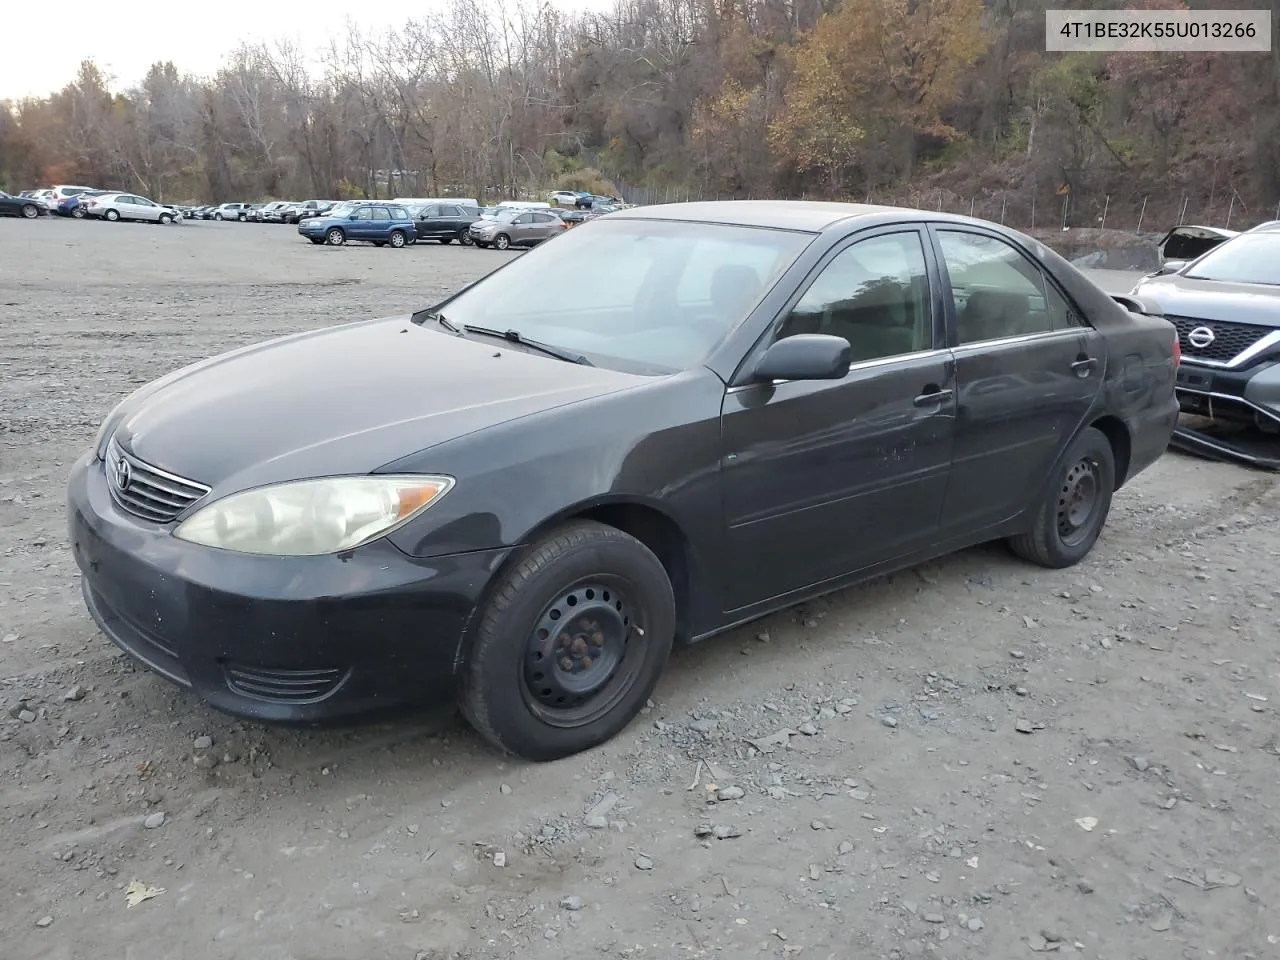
1171 266
806 356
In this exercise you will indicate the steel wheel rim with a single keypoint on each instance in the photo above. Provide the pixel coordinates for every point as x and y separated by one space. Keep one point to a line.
397 239
584 653
334 237
1079 499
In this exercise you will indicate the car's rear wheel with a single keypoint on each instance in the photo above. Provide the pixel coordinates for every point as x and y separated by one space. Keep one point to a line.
217 216
570 643
335 237
398 239
78 213
29 211
464 238
1073 512
112 215
502 241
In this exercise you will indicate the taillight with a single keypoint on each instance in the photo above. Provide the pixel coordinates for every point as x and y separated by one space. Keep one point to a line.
1177 351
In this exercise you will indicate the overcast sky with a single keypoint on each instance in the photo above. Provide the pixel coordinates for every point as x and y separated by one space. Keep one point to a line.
136 33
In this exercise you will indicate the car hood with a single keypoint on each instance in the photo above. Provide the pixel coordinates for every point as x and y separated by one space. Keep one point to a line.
345 399
1180 296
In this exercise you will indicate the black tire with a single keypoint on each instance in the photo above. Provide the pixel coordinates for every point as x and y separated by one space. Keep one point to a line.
165 219
335 237
464 238
78 213
445 240
1074 511
318 241
617 582
398 239
502 242
244 218
30 211
112 215
217 216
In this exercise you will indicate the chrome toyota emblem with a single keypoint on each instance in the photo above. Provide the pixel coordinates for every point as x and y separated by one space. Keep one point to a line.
1200 337
122 474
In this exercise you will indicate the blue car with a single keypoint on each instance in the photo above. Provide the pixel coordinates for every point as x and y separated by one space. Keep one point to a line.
382 224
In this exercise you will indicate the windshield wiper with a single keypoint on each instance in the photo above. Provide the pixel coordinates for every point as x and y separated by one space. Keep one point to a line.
440 318
514 336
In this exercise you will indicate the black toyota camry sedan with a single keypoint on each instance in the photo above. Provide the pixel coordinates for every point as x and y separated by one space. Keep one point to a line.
523 501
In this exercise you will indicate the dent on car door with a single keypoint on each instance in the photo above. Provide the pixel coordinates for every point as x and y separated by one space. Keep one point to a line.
1028 369
826 478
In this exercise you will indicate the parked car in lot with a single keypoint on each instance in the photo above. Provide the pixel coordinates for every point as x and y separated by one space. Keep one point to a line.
61 192
309 208
382 224
1225 303
270 212
27 207
445 222
127 206
231 211
516 227
527 502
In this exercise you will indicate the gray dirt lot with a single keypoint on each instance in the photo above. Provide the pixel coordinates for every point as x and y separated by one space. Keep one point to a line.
908 817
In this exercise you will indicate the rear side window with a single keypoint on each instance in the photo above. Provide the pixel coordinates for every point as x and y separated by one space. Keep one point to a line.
449 211
400 213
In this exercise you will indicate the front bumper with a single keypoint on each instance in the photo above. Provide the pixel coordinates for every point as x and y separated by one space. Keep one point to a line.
305 639
1230 414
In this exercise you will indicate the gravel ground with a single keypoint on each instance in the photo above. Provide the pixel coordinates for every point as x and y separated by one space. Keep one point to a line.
973 759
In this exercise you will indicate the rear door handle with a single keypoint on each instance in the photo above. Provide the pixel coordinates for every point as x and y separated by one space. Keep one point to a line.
929 399
1084 366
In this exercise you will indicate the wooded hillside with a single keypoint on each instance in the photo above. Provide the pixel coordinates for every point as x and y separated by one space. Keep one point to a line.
950 103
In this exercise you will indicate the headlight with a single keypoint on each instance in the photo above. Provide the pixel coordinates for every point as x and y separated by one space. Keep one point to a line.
309 518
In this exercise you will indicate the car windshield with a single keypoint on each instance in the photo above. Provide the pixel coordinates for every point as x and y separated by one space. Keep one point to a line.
1248 258
662 295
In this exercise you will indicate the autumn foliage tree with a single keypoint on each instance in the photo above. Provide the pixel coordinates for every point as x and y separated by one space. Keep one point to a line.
883 71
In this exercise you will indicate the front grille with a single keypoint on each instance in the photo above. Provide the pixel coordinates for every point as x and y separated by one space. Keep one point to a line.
283 686
1229 339
147 491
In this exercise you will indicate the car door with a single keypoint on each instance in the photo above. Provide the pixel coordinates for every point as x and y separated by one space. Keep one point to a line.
1027 371
522 228
380 227
146 209
452 220
825 478
546 226
360 224
428 222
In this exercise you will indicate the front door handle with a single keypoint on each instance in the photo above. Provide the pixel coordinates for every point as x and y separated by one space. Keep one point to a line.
929 399
1084 366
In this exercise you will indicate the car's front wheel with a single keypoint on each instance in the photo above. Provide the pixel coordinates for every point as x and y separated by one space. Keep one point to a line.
78 213
1071 515
165 219
335 237
217 216
502 241
570 644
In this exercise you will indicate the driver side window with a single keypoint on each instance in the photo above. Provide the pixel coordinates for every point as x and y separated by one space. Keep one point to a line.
364 213
875 294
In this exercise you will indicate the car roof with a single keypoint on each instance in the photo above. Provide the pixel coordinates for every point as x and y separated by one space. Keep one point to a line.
810 215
